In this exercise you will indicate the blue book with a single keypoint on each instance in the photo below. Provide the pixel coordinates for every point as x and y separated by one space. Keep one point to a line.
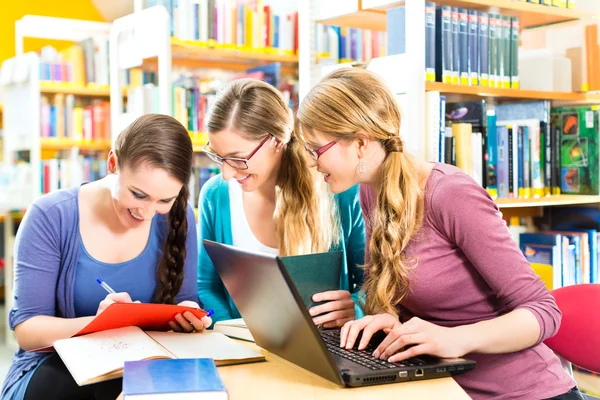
165 379
430 49
503 171
492 149
548 239
463 43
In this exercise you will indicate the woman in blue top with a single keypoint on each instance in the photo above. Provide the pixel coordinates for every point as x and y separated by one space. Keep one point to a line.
267 199
132 228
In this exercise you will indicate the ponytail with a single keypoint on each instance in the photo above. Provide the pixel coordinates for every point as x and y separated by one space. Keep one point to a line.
398 217
170 270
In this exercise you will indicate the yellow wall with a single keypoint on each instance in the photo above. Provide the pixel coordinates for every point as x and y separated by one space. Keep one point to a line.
13 10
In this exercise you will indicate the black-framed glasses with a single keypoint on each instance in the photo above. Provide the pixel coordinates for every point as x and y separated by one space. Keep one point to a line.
237 163
316 153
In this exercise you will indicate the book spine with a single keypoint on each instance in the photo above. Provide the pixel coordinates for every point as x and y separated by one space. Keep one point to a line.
514 53
442 133
396 38
526 163
443 56
455 47
556 160
511 155
503 171
463 33
537 182
430 48
473 48
493 51
521 159
484 50
492 156
505 65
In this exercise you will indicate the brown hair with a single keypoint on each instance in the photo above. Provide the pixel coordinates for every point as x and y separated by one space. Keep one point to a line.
164 143
351 103
305 221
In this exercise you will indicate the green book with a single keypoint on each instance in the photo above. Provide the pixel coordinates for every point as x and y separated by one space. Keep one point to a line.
314 273
579 154
505 53
493 50
514 53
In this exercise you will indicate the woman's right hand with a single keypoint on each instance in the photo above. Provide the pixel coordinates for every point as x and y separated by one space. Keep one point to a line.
122 297
370 325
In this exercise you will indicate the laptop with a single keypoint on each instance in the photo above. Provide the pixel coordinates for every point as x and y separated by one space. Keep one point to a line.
279 321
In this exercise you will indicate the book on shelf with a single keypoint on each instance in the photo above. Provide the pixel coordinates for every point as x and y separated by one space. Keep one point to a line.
66 116
83 63
62 173
340 44
232 23
196 378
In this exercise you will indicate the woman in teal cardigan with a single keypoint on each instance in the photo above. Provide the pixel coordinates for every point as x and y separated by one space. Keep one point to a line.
267 199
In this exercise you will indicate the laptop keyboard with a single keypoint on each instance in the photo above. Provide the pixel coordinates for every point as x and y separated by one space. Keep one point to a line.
364 357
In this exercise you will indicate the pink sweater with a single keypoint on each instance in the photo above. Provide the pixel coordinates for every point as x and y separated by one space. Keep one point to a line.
469 270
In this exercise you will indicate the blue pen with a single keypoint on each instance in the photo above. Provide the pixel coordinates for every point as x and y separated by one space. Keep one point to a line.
105 286
210 313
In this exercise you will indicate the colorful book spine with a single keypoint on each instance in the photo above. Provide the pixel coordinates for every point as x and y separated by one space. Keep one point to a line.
494 32
430 39
463 33
514 53
443 56
455 47
473 48
484 50
505 55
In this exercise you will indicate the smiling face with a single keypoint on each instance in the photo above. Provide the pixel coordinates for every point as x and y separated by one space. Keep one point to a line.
338 163
138 194
263 166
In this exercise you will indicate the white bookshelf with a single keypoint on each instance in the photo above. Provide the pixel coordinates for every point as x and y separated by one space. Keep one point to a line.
22 93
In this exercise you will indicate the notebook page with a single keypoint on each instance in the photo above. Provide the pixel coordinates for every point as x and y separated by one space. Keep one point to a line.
91 356
205 345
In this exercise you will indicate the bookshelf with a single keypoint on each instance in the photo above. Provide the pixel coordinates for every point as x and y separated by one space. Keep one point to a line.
25 137
202 55
556 200
370 14
462 93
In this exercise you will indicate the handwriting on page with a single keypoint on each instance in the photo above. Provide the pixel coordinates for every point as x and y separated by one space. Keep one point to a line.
99 353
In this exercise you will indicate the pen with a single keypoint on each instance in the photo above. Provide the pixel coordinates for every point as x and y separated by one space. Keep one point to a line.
210 313
105 286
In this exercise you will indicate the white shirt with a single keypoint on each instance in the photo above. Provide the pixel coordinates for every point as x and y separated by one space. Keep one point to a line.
240 229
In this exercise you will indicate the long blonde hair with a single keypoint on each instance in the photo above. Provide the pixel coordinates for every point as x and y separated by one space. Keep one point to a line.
348 104
306 221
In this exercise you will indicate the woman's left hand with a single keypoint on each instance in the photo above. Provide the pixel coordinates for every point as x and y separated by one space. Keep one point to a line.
187 322
425 338
339 308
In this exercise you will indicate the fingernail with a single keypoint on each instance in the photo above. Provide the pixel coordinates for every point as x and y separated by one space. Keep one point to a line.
376 354
312 311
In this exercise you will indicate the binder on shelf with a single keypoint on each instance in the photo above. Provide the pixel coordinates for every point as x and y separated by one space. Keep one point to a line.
443 44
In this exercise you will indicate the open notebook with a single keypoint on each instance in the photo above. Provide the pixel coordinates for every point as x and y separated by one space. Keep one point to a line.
101 356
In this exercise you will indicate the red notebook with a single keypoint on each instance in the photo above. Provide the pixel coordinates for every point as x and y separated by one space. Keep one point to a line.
148 317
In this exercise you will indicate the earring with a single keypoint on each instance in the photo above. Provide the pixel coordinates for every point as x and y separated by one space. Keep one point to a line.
362 167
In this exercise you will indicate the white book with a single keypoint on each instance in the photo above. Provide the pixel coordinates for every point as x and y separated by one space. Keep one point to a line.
235 328
102 355
477 150
203 20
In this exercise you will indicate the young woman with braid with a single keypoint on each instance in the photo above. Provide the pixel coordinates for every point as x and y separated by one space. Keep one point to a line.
267 199
444 276
133 228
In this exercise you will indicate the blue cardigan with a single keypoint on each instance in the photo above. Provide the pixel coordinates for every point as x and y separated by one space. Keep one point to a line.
46 253
215 225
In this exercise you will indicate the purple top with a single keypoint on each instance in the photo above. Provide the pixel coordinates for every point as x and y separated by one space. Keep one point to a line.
469 270
46 255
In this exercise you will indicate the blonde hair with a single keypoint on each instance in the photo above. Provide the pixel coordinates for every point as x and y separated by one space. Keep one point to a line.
306 221
351 103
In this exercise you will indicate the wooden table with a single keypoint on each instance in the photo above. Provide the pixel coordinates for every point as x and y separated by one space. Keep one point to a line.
279 379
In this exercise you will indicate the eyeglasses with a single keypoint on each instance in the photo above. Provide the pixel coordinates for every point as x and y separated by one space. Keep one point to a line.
237 163
316 153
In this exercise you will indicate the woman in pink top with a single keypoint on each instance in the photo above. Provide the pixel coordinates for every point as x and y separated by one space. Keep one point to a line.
444 276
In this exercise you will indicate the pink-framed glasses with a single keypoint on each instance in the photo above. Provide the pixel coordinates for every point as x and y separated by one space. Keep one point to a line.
316 153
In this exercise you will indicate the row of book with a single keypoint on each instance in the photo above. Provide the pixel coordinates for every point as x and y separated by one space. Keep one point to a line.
465 47
248 24
349 44
517 150
64 116
192 94
60 173
85 62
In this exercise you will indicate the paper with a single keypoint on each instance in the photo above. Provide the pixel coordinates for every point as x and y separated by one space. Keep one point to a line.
205 345
91 356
